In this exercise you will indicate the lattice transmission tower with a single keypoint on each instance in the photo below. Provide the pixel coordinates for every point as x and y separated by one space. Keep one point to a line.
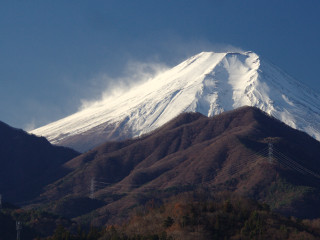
92 188
270 152
19 228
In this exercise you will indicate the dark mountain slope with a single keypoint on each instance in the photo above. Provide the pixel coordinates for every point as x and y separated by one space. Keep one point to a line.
225 152
28 163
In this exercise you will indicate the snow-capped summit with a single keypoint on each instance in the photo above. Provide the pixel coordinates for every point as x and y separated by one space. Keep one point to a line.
209 83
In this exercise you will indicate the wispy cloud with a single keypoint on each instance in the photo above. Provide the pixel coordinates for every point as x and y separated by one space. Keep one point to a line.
102 86
134 74
30 126
138 72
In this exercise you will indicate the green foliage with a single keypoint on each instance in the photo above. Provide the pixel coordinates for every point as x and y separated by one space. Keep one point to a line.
38 224
94 233
168 222
185 216
227 206
282 193
61 234
215 217
186 221
254 226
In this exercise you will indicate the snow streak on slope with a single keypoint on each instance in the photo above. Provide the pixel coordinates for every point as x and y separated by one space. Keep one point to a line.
209 83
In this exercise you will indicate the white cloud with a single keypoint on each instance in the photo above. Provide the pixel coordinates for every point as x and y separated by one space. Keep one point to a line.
134 74
30 126
137 72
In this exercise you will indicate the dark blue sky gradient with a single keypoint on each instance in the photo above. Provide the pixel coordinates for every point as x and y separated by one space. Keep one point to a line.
50 51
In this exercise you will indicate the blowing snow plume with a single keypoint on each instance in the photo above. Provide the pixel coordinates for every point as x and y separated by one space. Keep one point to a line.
209 83
135 74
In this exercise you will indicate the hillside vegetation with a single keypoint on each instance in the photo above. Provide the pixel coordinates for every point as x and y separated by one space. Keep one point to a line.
222 216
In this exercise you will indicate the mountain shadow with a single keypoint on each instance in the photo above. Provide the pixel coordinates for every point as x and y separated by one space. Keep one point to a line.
28 163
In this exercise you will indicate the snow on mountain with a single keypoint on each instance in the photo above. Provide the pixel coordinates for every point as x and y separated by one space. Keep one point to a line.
209 83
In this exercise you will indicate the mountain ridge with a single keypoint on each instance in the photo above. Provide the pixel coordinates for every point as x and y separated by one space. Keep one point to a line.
209 83
227 152
28 163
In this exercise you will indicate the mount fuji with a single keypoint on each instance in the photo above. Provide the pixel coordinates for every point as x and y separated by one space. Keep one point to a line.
209 83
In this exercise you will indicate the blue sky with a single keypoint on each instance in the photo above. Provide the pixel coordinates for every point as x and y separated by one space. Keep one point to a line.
53 54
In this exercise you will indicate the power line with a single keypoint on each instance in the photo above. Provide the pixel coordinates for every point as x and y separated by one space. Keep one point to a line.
270 152
102 186
238 167
296 166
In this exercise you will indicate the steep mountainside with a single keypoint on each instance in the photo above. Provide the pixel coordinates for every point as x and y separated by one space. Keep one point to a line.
208 83
230 151
28 163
